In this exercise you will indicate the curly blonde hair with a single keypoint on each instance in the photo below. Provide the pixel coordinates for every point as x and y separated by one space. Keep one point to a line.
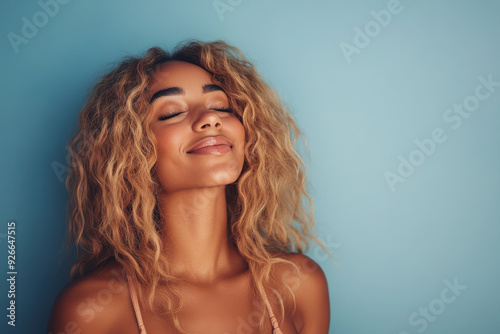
114 213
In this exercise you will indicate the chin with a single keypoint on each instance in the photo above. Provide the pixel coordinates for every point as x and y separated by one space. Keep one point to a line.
227 174
223 180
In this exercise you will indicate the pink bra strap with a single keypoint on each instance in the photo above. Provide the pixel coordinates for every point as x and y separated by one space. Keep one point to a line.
274 321
135 304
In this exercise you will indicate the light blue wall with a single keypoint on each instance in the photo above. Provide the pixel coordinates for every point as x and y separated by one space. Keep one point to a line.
361 109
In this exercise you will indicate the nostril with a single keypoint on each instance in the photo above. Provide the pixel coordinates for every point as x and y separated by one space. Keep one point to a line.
207 120
208 125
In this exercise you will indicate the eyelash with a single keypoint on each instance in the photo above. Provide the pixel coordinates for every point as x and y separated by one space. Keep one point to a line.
228 110
172 115
168 116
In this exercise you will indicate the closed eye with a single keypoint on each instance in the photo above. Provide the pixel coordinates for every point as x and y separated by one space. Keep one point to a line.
223 109
174 114
168 116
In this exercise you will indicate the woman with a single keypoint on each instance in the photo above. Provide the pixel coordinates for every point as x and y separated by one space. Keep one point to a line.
188 204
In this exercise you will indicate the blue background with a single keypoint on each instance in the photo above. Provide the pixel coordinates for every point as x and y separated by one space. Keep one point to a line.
361 113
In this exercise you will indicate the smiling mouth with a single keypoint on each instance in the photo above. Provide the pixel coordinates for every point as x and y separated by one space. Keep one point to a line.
214 149
211 145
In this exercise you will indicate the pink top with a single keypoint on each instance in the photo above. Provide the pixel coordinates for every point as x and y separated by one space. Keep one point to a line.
138 315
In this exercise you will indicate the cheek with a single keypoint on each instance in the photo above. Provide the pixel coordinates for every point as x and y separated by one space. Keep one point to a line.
167 141
163 147
240 132
239 141
237 130
167 152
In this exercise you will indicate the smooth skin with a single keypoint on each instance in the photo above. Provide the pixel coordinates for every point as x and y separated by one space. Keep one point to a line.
200 146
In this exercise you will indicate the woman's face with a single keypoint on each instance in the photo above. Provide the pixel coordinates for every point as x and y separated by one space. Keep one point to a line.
200 141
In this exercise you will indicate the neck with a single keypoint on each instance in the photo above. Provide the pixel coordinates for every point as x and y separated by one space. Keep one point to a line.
195 235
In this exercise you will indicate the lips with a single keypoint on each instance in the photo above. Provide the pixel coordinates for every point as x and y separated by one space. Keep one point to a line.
211 145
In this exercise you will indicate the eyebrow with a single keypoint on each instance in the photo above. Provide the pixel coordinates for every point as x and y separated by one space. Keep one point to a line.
167 92
208 88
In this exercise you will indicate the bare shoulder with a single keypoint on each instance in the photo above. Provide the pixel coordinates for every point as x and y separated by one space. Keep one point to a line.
309 285
95 303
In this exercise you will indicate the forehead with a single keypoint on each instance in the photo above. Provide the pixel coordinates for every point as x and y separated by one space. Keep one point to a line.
179 74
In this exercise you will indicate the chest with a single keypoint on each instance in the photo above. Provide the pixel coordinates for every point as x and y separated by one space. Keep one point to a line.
227 308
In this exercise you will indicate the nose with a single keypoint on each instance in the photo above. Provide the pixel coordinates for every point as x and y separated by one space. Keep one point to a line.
207 119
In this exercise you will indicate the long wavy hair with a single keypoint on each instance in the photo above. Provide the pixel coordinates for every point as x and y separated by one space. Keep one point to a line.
114 213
